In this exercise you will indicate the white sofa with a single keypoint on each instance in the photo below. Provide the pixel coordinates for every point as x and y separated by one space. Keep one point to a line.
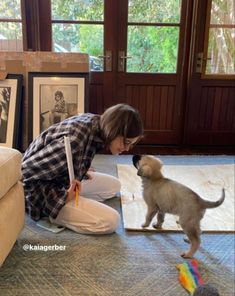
12 206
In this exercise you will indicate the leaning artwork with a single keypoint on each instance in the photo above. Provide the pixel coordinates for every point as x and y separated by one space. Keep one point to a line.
10 105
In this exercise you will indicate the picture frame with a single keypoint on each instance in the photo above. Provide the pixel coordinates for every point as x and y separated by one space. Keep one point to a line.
11 91
54 97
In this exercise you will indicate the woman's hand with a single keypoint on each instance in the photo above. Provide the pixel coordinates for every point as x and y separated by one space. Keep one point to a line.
72 189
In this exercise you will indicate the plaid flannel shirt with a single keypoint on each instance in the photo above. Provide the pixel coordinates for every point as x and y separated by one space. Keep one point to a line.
44 167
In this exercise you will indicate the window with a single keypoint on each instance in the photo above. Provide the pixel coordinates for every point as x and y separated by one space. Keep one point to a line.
153 35
78 26
11 25
221 38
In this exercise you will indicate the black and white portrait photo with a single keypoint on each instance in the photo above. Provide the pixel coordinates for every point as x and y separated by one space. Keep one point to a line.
57 103
53 98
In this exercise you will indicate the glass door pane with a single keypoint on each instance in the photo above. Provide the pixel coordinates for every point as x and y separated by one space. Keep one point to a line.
78 26
11 25
153 36
152 49
154 11
82 10
221 40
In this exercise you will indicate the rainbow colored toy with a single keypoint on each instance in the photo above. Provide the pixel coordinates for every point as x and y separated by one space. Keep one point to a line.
189 276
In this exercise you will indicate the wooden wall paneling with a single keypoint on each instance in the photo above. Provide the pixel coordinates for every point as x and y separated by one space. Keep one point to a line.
143 102
149 107
171 108
227 108
202 101
92 99
163 107
217 106
231 110
212 110
96 93
209 108
128 94
96 96
156 108
136 97
224 109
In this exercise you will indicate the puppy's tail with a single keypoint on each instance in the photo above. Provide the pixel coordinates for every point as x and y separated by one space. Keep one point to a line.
214 204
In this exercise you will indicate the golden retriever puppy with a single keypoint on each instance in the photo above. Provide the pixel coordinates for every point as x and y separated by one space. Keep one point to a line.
163 195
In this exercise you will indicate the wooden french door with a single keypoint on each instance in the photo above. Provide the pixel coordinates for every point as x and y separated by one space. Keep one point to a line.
159 94
211 96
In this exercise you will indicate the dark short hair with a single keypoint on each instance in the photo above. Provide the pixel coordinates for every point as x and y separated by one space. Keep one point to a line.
59 93
0 107
121 120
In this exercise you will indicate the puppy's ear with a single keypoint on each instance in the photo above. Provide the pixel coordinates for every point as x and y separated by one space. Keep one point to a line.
135 160
145 171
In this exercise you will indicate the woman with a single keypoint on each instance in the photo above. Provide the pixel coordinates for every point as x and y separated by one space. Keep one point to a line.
59 111
45 177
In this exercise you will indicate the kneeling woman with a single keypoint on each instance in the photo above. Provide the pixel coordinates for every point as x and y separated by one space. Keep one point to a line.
45 177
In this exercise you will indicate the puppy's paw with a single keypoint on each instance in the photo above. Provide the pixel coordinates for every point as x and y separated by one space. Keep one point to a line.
157 226
187 255
186 240
145 225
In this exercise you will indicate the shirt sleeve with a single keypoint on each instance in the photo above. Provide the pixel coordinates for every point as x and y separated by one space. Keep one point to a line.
47 163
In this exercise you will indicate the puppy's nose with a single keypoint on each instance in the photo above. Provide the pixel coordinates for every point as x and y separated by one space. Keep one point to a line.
135 160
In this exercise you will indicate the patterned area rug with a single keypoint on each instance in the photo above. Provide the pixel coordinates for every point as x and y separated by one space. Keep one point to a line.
206 180
122 264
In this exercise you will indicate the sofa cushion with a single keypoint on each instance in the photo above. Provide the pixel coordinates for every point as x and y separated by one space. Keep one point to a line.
10 169
11 219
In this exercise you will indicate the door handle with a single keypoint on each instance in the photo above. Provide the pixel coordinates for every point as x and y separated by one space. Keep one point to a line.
201 61
121 60
108 60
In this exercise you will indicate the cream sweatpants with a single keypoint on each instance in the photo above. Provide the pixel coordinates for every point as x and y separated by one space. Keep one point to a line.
92 216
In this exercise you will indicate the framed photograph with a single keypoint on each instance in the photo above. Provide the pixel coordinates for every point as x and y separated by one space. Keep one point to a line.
53 97
10 110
